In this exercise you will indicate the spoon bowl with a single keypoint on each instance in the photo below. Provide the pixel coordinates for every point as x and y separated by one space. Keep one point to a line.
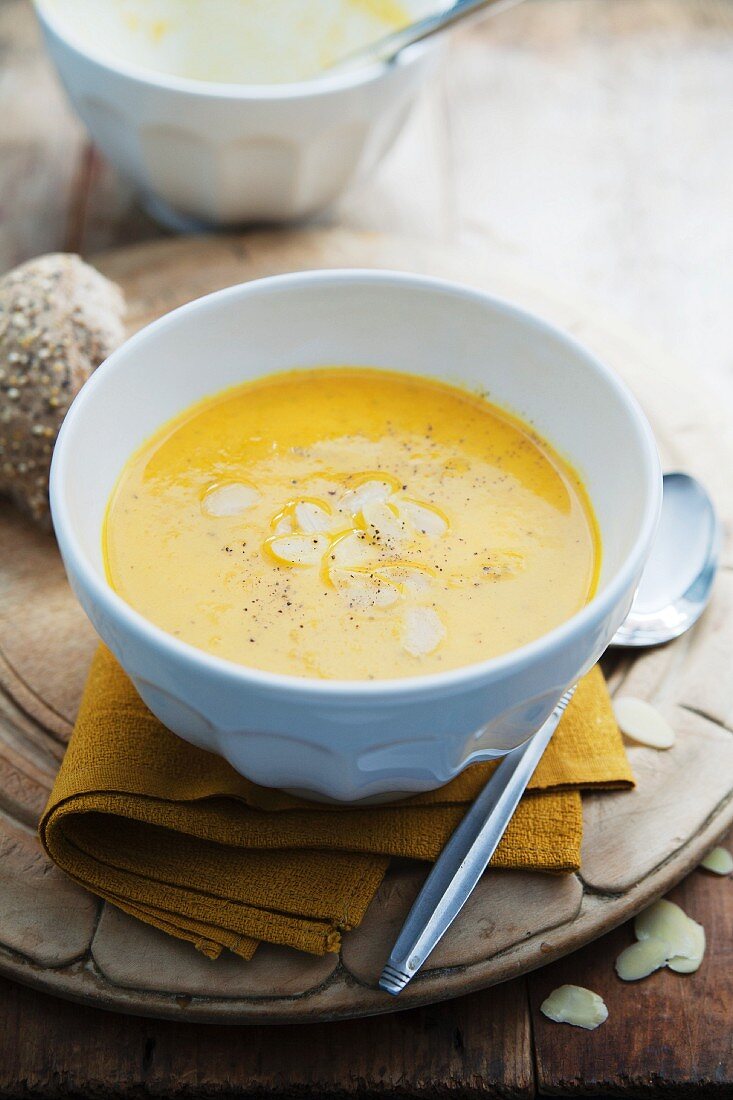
675 587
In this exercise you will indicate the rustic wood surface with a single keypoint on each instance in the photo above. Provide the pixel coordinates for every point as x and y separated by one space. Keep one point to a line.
668 1036
600 161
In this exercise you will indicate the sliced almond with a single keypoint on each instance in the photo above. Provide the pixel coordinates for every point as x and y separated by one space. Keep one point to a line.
681 964
576 1005
423 631
298 549
665 921
284 526
362 589
351 551
382 522
641 959
368 492
230 500
719 861
425 519
312 517
642 722
410 578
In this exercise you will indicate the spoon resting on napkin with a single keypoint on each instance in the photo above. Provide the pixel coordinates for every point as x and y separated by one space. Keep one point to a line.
174 836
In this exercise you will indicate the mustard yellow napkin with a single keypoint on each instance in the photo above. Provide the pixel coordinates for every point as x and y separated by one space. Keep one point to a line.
172 834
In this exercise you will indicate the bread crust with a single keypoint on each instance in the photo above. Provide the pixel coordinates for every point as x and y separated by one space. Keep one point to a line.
59 319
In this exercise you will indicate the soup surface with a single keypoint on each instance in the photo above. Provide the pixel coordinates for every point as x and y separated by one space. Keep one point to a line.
235 41
350 523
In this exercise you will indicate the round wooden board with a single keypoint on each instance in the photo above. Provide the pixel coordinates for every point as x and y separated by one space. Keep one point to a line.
636 845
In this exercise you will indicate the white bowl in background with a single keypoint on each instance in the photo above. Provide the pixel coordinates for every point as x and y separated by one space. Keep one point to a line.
214 154
357 739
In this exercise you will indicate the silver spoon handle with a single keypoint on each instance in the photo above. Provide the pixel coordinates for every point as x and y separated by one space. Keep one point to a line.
465 857
387 48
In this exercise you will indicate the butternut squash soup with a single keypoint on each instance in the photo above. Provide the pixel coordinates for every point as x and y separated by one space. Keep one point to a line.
351 523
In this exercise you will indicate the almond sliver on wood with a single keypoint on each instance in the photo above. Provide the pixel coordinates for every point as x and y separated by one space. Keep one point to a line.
643 723
719 861
574 1004
298 549
667 922
230 500
681 964
423 631
641 959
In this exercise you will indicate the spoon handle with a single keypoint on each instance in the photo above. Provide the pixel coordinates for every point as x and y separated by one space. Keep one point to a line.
387 48
465 857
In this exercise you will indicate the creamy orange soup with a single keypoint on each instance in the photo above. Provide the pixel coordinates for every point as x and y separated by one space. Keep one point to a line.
350 523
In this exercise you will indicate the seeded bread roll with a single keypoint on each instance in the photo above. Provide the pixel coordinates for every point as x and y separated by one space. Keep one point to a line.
59 318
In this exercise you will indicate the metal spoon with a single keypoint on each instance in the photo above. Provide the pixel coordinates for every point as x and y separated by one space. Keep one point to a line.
675 586
674 591
386 49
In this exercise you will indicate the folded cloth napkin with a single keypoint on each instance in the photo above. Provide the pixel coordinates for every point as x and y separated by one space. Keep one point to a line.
174 836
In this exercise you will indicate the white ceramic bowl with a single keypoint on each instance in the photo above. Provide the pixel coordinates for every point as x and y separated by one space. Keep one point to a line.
208 154
338 739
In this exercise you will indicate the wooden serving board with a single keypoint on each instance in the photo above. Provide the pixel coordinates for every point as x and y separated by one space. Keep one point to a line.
637 844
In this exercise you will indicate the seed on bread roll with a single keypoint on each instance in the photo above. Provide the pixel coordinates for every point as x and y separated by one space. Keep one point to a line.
59 318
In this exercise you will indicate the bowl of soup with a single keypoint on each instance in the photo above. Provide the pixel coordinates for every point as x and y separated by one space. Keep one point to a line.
354 530
225 111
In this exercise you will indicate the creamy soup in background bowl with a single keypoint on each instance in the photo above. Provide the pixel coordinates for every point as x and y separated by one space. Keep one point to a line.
488 553
222 111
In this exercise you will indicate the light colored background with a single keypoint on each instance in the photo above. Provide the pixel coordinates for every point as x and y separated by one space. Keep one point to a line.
588 142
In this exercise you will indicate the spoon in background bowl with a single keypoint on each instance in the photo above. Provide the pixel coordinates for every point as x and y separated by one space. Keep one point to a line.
389 47
674 591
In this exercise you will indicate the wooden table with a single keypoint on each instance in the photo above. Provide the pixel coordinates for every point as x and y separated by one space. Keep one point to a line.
588 142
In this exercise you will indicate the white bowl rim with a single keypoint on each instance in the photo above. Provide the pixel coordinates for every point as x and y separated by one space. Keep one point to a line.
328 83
386 690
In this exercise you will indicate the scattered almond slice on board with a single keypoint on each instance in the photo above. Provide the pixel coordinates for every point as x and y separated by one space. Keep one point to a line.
667 922
662 930
425 519
423 631
230 500
643 723
298 549
576 1005
719 861
683 964
641 959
